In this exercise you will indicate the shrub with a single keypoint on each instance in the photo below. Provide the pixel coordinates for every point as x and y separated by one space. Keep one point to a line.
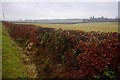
69 53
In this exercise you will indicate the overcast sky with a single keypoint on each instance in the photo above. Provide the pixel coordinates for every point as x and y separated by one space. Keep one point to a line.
57 10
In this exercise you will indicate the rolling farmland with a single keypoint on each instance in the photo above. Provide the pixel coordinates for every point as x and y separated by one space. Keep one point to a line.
60 40
95 26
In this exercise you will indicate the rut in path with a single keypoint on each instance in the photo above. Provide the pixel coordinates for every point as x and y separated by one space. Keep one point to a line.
28 65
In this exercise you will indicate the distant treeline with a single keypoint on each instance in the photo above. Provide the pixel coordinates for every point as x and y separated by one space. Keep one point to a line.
101 19
74 21
70 21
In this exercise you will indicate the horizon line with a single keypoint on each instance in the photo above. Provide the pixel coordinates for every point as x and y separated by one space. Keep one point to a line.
59 18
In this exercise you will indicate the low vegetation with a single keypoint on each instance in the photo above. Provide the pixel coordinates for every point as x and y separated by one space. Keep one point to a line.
11 62
59 53
0 50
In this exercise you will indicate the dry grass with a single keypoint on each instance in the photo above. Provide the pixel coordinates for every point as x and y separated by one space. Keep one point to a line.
96 26
104 27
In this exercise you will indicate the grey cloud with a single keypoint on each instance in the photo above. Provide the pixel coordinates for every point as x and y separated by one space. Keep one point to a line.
43 10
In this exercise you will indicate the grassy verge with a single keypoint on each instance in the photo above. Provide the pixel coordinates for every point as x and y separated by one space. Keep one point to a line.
11 63
0 50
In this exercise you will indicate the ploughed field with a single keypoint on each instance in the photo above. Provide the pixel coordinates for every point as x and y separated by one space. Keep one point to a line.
60 53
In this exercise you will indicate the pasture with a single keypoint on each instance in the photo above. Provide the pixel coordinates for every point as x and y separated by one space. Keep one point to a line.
95 26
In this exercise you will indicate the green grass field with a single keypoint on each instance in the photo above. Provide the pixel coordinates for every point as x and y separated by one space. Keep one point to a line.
11 63
101 26
95 26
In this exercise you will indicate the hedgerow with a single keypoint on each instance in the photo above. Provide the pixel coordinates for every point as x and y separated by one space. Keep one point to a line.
69 53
